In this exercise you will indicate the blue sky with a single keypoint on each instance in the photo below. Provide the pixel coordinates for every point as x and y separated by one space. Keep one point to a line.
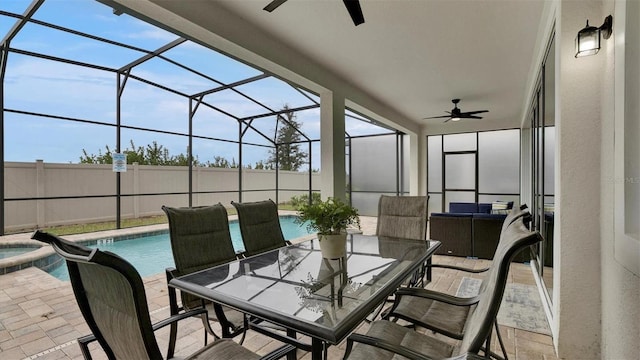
49 87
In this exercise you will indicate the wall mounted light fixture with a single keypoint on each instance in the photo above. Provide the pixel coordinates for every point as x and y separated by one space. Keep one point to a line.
588 39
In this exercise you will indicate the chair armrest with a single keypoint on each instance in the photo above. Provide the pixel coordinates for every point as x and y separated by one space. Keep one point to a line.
282 338
85 340
379 343
474 271
171 273
438 296
279 352
162 323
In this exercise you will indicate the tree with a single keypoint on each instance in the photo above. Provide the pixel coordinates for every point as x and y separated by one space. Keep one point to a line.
155 154
260 165
219 162
288 153
97 159
152 154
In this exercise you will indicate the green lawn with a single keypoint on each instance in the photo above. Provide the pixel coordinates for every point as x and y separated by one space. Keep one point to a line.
111 225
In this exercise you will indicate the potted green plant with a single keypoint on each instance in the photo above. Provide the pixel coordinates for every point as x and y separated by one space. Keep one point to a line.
330 219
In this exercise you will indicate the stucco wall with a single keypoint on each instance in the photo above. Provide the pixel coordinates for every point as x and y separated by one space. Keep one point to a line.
38 179
620 287
576 295
596 312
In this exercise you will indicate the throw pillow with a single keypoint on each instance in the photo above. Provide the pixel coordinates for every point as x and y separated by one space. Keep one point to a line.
499 207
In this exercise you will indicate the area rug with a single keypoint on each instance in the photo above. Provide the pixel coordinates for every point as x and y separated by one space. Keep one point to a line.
521 306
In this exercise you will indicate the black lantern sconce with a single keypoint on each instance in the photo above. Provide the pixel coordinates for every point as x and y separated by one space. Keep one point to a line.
588 39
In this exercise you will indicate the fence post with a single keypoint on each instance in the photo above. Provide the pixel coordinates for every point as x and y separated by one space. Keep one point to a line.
196 186
136 190
40 192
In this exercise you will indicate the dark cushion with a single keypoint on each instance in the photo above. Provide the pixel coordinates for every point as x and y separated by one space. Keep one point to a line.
463 207
451 215
484 208
500 217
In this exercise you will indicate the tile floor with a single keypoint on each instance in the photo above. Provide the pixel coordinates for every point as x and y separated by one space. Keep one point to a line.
39 318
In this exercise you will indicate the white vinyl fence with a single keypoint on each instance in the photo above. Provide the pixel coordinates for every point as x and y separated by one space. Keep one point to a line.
49 180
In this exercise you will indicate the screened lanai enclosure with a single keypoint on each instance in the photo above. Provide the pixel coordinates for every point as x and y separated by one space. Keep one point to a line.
81 87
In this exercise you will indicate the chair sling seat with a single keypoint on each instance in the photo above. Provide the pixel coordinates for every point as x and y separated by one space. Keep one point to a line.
223 349
402 217
405 337
434 315
259 226
200 239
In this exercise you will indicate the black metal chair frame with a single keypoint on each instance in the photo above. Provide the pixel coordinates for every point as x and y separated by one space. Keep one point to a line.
481 339
513 216
229 330
77 256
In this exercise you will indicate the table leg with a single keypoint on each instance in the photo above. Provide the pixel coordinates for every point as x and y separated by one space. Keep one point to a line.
293 354
317 349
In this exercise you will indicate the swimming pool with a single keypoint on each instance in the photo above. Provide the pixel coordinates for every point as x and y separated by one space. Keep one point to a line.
9 251
151 254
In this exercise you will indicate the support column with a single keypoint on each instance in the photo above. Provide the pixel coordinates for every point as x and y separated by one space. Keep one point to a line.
332 151
417 164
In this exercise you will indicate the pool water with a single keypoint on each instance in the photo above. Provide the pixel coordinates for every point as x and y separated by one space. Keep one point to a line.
6 252
152 254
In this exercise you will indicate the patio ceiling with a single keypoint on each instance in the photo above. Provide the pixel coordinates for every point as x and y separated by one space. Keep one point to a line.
406 62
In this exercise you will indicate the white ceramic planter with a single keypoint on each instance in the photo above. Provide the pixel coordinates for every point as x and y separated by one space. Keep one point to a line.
333 246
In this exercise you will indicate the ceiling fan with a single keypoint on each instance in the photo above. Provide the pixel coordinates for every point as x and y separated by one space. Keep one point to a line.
455 114
353 6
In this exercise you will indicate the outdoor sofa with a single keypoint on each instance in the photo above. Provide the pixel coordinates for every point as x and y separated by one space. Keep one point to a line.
471 229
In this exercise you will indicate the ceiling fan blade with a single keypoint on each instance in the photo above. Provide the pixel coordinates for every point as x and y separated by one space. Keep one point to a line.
472 117
353 6
447 120
437 117
476 112
273 5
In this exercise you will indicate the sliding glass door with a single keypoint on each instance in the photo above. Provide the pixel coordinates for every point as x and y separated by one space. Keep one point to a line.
542 174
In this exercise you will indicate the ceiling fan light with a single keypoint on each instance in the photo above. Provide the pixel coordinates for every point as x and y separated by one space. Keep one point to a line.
455 119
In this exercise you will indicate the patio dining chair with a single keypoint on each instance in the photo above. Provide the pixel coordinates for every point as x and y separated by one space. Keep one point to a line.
112 299
444 313
200 239
386 338
259 226
404 217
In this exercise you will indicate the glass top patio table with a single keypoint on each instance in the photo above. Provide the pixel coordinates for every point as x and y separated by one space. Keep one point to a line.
295 287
